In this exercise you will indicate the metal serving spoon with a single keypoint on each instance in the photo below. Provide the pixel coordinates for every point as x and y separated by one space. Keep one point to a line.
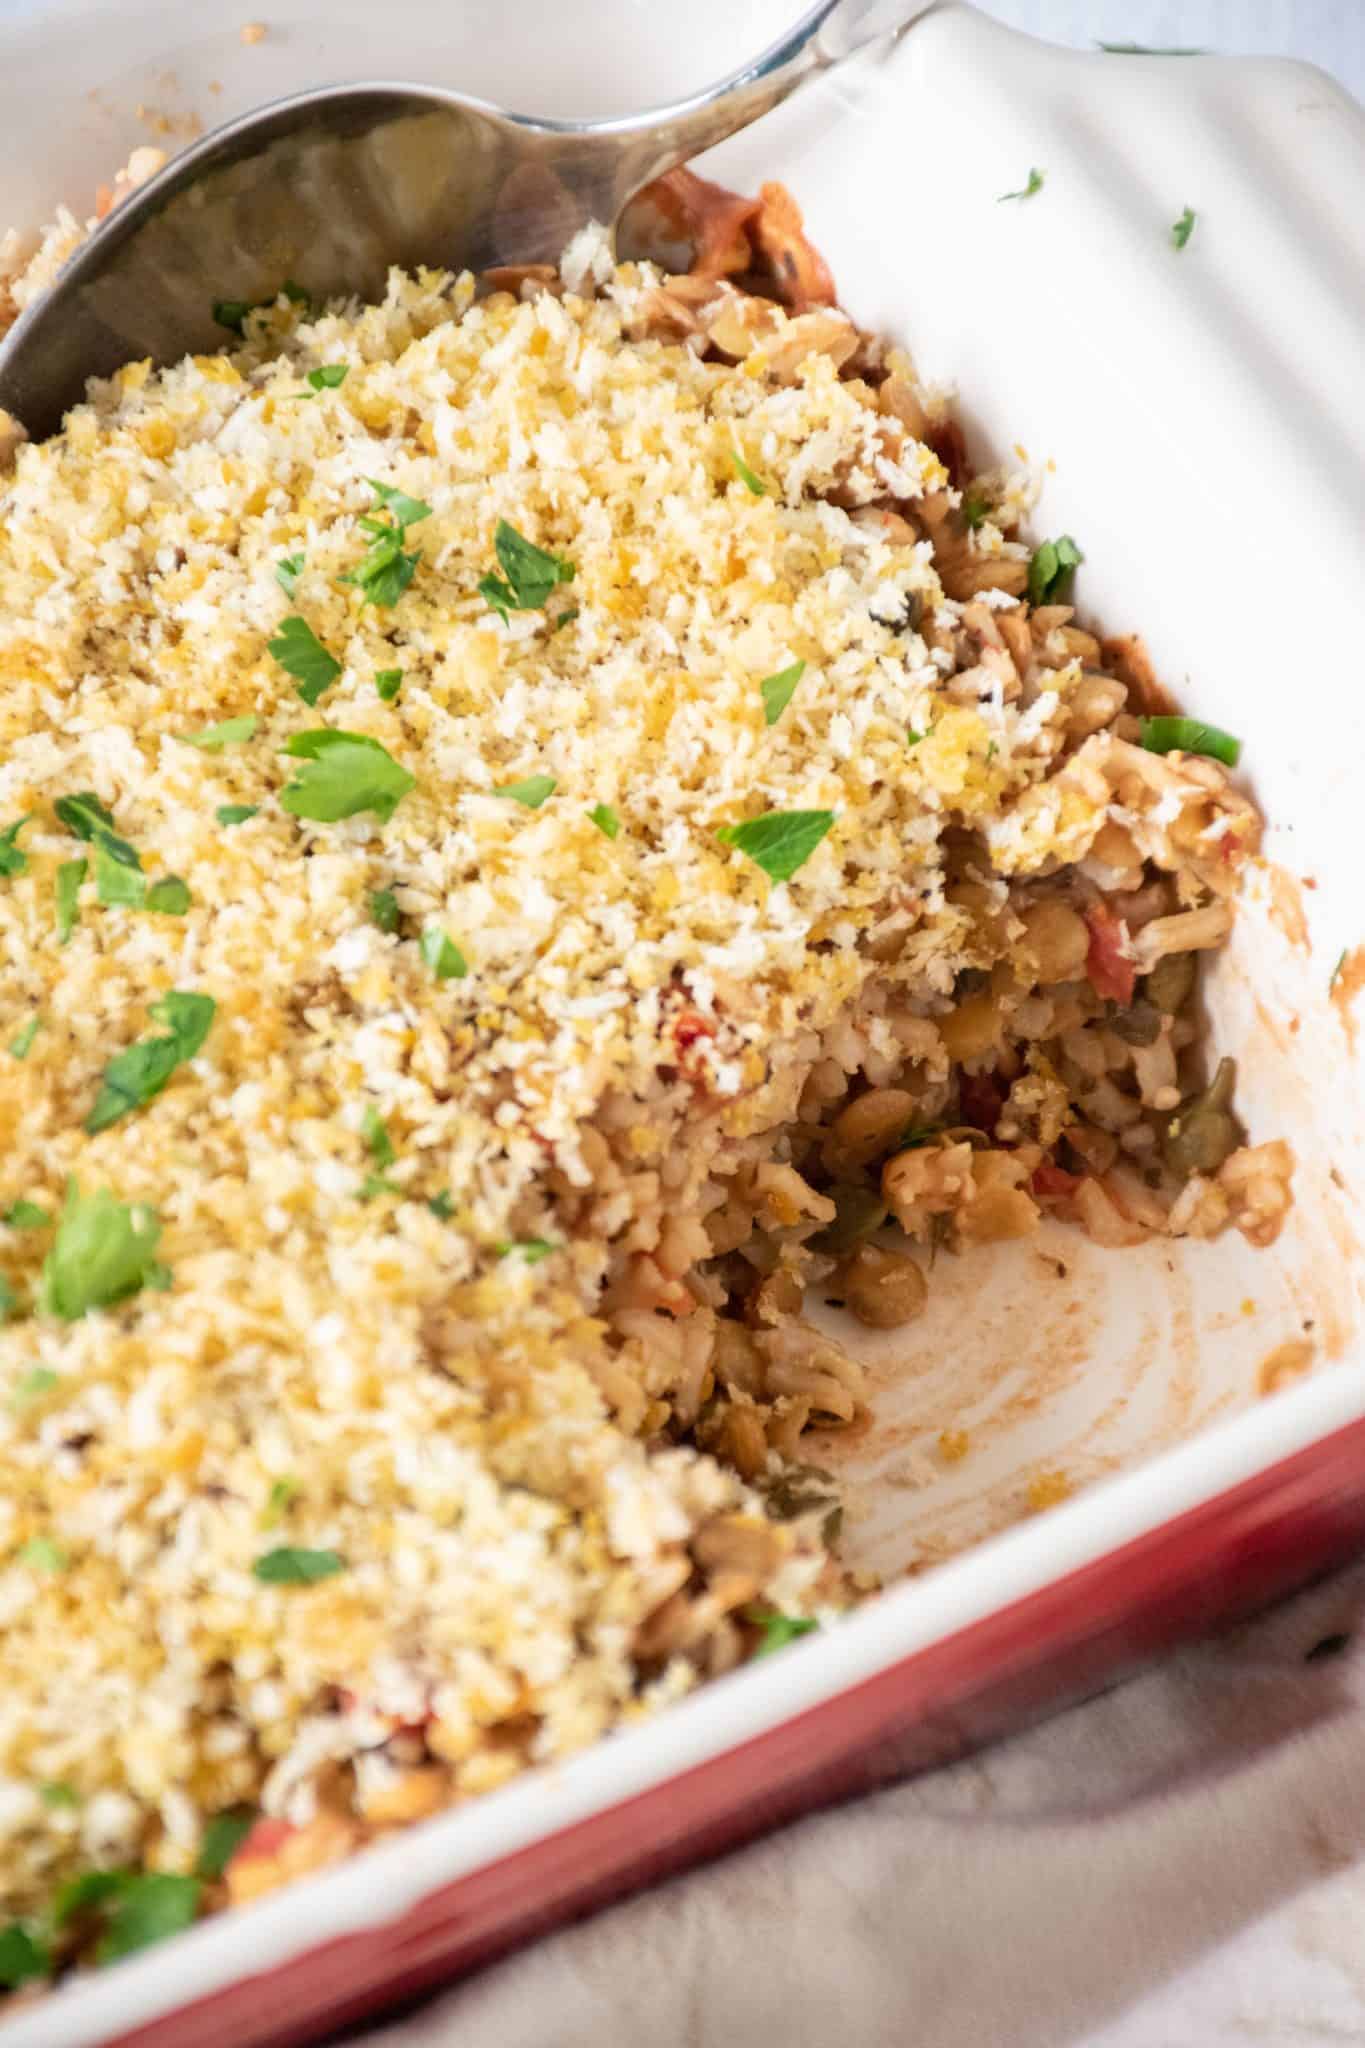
327 189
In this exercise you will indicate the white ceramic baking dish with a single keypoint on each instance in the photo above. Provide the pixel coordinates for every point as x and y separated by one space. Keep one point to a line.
1198 416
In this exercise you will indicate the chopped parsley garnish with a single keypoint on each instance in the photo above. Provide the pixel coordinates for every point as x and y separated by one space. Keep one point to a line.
780 841
115 882
223 1837
913 738
346 773
778 1630
777 690
529 574
13 859
1052 569
300 653
235 814
388 682
1182 229
282 1493
377 1138
531 1250
288 570
442 1205
564 618
136 1907
41 1554
384 909
606 820
750 481
22 1215
21 1045
22 1956
170 896
1035 184
403 510
329 376
33 1384
70 876
442 955
386 568
289 1566
976 507
1168 735
93 821
57 1794
532 792
232 313
104 1251
213 738
135 1075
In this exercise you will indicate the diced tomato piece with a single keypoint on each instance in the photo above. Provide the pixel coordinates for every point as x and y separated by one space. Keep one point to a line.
1111 970
1051 1182
265 1837
981 1098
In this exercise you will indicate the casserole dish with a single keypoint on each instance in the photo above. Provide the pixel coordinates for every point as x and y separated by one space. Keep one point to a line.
1081 1367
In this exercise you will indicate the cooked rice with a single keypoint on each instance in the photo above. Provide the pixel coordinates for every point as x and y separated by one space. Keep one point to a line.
557 1483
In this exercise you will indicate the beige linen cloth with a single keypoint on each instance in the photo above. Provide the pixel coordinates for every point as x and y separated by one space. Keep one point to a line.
1179 1863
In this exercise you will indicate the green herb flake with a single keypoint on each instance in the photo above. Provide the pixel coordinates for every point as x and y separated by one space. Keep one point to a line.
235 814
288 570
346 773
384 909
529 573
58 1796
300 653
606 820
976 508
148 1906
289 1566
777 690
403 510
23 1215
329 376
1182 229
388 682
779 842
104 1251
1168 735
170 896
530 1250
21 1045
442 955
376 1137
564 618
41 1554
1034 184
231 313
115 883
913 738
213 738
283 1492
93 821
442 1205
386 568
750 481
32 1385
22 1956
1052 569
778 1629
532 792
13 859
139 1073
223 1837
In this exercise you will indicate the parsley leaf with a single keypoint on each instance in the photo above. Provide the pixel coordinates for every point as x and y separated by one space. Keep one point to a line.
24 1215
300 653
777 690
32 1385
975 507
21 1044
529 573
1190 736
1035 184
605 819
329 376
282 1492
347 773
235 814
388 682
93 821
377 1138
41 1554
1052 570
22 1956
170 896
384 909
778 1630
442 955
223 1837
231 313
385 570
750 481
403 510
531 1249
780 841
149 1905
13 859
442 1205
288 1566
288 570
1182 229
213 738
57 1794
532 792
564 618
115 882
104 1251
135 1075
